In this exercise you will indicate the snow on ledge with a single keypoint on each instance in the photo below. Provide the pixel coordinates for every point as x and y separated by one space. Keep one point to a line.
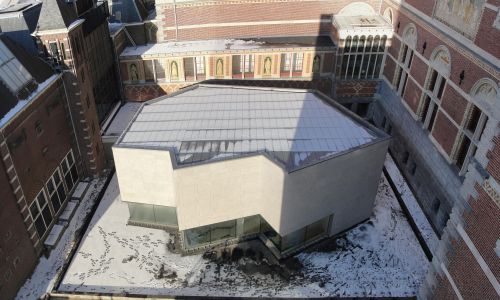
425 228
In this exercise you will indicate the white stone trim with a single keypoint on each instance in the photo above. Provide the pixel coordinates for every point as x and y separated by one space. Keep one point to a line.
233 24
428 22
479 259
451 281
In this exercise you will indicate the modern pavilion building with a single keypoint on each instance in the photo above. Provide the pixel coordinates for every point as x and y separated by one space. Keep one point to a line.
224 163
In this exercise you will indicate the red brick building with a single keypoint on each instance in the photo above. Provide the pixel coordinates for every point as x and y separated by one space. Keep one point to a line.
75 36
434 86
38 153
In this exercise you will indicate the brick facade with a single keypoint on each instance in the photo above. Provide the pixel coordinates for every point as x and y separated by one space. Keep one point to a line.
33 144
456 270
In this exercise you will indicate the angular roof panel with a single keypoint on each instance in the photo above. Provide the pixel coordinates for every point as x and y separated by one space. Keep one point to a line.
210 122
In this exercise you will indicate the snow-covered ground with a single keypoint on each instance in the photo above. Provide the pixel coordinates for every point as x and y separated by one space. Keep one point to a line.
380 257
425 228
43 278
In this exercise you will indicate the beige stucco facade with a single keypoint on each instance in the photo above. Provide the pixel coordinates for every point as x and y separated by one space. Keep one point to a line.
207 193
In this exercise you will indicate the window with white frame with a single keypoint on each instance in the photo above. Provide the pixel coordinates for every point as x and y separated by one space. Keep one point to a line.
68 167
434 88
484 92
298 60
470 135
41 214
247 63
200 65
405 59
286 62
56 191
362 57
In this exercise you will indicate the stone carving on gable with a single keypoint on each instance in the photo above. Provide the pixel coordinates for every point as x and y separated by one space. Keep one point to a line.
461 15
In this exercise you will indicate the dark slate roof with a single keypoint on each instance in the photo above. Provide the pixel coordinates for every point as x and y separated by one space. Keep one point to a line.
19 24
56 14
131 11
38 68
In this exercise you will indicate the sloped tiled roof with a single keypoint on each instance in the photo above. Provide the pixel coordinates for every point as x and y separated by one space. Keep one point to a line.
56 14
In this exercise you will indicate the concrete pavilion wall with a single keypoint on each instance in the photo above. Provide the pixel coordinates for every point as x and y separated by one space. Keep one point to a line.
145 176
218 191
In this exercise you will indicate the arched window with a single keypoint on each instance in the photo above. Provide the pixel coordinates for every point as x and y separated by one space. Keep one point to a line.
354 45
388 15
357 9
347 44
381 46
361 43
485 93
405 58
439 69
410 35
362 57
376 42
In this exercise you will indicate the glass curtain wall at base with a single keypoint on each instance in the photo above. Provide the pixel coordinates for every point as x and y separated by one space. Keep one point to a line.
153 214
252 225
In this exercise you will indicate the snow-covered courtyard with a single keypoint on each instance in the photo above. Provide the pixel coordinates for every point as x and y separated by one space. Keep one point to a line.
380 257
44 276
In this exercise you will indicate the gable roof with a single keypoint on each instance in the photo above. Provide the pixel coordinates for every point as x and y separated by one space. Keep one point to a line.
56 14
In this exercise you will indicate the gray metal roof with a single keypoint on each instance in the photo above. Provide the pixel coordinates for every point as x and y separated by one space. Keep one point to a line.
210 122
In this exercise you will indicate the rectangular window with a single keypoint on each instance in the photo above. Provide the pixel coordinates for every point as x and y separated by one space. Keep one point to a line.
247 63
237 65
403 86
189 68
285 62
473 120
200 65
432 119
160 70
63 51
298 60
317 229
55 187
54 51
432 82
149 71
251 225
41 214
442 84
403 53
462 151
410 60
210 234
68 168
153 214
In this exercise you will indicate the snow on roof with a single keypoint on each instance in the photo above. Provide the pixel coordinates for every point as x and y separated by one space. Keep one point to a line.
227 44
122 118
209 122
23 103
362 25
